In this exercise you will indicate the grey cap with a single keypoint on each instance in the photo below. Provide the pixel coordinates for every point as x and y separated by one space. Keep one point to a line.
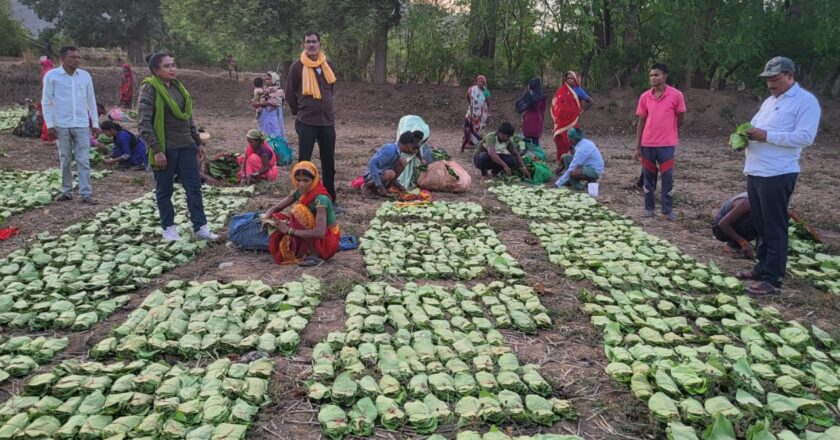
777 65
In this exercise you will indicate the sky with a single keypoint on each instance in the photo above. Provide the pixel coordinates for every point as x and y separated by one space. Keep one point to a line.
28 17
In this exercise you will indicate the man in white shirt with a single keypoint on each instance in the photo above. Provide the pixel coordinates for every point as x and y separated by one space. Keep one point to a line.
786 123
70 112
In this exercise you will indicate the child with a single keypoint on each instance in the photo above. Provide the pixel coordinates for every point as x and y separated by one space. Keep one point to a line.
385 166
259 91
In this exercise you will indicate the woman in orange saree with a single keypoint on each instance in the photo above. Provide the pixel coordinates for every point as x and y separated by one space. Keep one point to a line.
569 102
308 234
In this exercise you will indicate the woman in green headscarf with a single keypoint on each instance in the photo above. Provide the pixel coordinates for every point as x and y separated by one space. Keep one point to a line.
175 148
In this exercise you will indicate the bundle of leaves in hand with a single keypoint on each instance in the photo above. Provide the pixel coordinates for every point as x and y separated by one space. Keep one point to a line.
224 166
81 276
138 400
195 319
739 140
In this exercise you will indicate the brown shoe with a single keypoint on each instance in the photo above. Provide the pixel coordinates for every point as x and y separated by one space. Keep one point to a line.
763 288
747 275
89 200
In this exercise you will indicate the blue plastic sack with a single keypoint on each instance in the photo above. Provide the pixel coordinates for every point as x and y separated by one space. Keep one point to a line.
246 232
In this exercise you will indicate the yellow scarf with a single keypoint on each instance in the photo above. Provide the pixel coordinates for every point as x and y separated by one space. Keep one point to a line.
310 81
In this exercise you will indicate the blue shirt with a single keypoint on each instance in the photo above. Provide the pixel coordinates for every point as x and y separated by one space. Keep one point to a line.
791 122
129 148
581 93
586 155
385 159
68 100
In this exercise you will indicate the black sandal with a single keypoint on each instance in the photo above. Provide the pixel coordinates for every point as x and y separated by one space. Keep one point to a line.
311 261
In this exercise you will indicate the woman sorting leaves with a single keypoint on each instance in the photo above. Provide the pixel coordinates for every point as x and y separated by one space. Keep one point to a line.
259 162
308 234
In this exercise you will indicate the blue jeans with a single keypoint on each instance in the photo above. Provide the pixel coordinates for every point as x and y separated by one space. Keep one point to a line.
658 160
769 197
183 162
74 143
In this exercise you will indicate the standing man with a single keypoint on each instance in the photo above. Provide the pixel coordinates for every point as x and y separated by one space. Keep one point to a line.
660 113
309 92
69 107
785 124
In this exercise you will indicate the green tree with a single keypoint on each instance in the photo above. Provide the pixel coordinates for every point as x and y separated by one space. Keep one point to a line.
13 36
130 24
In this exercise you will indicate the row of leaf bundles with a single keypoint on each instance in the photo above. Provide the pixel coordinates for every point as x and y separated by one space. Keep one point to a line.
418 368
138 400
438 211
430 250
197 318
495 434
424 415
370 307
20 355
23 190
809 260
788 362
550 203
618 254
67 281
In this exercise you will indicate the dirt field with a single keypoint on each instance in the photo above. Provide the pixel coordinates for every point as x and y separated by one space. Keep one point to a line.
572 352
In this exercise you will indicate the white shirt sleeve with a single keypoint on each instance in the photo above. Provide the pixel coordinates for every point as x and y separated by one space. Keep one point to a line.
804 131
93 112
47 109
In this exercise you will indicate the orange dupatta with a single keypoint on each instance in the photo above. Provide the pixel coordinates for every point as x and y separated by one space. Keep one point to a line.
287 249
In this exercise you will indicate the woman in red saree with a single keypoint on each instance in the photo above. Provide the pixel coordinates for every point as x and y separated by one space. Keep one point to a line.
46 66
569 102
126 86
308 234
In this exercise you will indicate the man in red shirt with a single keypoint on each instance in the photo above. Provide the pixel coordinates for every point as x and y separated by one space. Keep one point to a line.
660 113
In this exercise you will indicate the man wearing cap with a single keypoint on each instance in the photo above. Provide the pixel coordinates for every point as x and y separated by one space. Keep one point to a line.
586 165
785 124
660 113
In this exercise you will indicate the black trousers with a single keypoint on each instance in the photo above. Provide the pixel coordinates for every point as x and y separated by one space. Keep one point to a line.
325 135
484 164
769 197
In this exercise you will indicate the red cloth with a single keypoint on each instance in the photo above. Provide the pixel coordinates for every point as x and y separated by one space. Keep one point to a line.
127 86
533 119
7 233
287 250
46 66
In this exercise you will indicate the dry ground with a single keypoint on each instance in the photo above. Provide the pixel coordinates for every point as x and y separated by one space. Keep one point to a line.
572 352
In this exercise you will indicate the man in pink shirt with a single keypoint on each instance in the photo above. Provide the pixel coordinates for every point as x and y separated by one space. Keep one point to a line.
660 113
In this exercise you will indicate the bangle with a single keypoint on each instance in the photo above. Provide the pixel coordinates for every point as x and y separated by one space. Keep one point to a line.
291 232
743 243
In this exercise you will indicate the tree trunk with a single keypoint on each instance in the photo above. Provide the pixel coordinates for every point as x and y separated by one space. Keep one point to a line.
828 89
135 50
380 56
